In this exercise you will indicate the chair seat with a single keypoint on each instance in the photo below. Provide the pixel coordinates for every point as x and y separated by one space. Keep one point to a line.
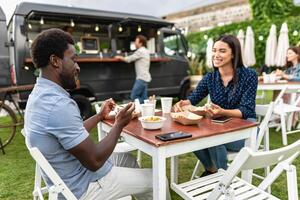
123 147
200 188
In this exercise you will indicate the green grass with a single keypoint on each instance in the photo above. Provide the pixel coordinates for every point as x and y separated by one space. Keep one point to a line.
17 168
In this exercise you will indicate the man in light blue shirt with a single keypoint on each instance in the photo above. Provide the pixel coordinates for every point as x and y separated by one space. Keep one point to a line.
53 125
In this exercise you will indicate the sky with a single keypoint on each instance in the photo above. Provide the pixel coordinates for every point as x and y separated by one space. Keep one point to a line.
147 7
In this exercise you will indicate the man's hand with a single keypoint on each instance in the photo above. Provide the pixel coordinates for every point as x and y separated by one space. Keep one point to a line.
178 106
214 110
124 116
120 58
106 107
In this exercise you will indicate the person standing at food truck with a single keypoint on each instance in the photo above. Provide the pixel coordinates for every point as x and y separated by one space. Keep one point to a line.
141 58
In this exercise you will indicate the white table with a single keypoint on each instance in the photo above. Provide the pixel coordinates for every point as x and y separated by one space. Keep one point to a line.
278 85
206 134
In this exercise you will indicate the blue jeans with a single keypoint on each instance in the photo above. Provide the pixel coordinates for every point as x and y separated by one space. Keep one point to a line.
216 157
139 90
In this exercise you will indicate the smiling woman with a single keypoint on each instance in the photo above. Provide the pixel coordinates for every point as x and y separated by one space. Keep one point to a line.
232 89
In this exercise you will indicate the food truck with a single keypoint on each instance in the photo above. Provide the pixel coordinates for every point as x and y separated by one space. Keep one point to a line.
99 36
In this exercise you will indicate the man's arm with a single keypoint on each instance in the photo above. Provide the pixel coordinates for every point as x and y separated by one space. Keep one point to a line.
135 56
93 156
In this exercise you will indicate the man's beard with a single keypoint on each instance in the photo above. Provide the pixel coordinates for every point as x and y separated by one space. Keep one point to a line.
67 81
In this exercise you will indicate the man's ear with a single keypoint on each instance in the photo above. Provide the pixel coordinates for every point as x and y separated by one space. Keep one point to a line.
54 61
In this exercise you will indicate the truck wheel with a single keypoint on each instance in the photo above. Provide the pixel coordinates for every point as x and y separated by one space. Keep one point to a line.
185 91
84 105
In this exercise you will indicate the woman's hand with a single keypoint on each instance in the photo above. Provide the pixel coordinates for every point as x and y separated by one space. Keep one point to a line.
279 72
106 107
214 110
178 106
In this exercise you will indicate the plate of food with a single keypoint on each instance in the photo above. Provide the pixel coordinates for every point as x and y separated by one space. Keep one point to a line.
186 118
152 122
198 110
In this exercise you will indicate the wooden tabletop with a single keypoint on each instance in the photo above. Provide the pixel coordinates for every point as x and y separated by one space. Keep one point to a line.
98 59
204 128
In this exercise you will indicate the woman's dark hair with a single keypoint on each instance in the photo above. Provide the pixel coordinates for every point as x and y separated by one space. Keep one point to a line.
235 46
49 42
142 39
297 51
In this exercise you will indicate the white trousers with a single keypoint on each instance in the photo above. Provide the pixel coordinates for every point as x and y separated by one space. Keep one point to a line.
123 180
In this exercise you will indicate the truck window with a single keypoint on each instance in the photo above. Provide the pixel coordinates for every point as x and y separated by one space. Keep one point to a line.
173 44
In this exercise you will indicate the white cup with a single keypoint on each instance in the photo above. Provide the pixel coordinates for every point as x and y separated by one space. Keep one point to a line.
266 78
147 110
137 105
147 101
272 78
166 104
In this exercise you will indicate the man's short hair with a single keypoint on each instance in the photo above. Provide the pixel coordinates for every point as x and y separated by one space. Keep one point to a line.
49 42
142 40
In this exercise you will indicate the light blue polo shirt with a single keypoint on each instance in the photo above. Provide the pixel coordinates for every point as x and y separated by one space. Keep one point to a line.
53 124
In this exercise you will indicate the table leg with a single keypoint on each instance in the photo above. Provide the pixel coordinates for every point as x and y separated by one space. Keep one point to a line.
251 143
174 169
159 174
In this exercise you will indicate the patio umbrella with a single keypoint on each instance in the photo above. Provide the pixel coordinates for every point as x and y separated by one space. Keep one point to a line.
249 54
283 45
209 47
271 46
241 37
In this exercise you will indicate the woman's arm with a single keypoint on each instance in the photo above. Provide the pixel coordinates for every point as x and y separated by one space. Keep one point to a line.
247 103
201 90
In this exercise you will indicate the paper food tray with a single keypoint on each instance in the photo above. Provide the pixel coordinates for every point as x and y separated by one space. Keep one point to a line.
186 118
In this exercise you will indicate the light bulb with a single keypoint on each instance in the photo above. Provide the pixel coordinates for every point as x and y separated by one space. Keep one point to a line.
97 28
139 29
158 32
295 33
120 29
29 26
72 23
42 21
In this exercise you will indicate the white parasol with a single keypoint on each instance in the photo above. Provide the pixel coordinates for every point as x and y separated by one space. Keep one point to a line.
271 47
249 53
209 48
283 45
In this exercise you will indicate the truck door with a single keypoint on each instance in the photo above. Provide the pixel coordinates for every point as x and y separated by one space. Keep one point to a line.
172 46
4 56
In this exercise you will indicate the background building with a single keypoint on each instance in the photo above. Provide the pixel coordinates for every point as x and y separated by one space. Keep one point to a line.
210 16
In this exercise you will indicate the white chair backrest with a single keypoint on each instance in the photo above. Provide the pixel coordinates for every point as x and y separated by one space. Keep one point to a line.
280 95
247 159
60 186
265 111
267 158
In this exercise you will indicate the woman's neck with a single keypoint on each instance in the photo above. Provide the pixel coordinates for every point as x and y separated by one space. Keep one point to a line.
226 71
295 62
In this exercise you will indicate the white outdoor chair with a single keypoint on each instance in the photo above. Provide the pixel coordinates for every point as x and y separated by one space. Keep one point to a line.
263 134
122 146
58 185
225 184
286 111
40 190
